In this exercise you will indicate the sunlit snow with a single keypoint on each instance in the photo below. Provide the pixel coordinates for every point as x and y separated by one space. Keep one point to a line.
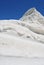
22 41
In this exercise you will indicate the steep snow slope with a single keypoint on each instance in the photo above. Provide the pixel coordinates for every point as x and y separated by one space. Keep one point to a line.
14 46
28 31
34 21
23 37
22 41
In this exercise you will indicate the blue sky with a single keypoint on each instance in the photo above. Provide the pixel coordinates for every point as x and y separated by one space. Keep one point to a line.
14 9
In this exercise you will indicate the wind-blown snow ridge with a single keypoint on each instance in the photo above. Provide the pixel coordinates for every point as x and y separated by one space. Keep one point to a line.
23 37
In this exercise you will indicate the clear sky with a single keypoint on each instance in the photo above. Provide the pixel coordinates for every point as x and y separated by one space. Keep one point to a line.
14 9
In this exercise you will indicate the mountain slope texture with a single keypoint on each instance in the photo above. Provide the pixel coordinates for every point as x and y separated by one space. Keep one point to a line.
23 37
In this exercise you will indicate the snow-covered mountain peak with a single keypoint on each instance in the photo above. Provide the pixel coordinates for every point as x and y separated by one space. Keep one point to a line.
23 37
33 15
30 11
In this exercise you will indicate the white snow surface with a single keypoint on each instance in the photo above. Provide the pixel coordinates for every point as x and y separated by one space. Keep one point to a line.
23 38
